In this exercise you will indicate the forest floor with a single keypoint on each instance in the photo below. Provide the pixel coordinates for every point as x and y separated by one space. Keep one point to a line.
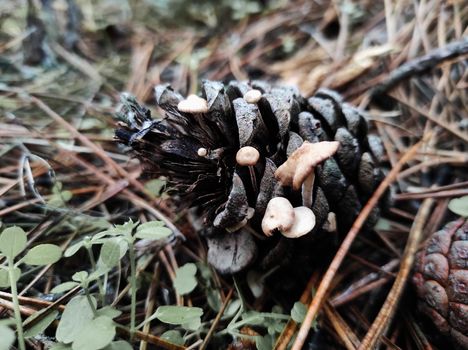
63 178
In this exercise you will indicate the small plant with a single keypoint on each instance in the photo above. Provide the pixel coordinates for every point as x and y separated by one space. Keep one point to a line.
87 322
13 242
82 315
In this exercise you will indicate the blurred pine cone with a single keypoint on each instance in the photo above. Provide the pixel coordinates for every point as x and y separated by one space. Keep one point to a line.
441 280
220 154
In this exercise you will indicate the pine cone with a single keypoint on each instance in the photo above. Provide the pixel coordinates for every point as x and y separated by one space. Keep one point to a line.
221 153
441 280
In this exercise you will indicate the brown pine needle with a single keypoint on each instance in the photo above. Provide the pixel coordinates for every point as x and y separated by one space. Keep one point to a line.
343 250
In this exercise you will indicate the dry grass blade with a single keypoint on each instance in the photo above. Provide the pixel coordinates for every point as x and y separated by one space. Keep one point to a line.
324 286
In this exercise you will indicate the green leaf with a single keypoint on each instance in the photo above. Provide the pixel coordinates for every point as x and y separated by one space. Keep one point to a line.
178 315
264 343
110 253
5 278
64 287
173 337
126 228
118 345
185 280
253 318
7 337
43 254
192 325
95 334
73 249
298 312
41 325
101 269
80 276
214 299
459 206
117 230
108 311
232 308
77 314
152 230
6 322
155 187
12 241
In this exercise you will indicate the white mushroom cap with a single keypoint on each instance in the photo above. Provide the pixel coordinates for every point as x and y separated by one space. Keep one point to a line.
247 156
279 215
304 222
202 152
193 104
252 96
302 162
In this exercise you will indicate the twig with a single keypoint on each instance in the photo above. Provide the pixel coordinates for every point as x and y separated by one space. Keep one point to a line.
421 64
383 319
342 251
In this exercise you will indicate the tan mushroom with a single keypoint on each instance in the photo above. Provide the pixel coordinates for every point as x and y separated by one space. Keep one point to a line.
304 222
291 222
193 104
252 96
298 170
247 156
279 215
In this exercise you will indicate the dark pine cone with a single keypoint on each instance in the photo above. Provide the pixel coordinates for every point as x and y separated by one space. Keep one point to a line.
195 146
441 280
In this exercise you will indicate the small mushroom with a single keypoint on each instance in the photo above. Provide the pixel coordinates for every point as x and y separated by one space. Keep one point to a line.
193 104
279 215
304 222
249 156
252 96
291 222
202 152
298 170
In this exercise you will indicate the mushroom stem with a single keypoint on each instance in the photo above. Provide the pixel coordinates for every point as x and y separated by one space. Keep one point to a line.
307 190
253 178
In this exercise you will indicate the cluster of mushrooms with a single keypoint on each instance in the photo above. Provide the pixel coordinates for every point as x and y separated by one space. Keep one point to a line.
297 172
